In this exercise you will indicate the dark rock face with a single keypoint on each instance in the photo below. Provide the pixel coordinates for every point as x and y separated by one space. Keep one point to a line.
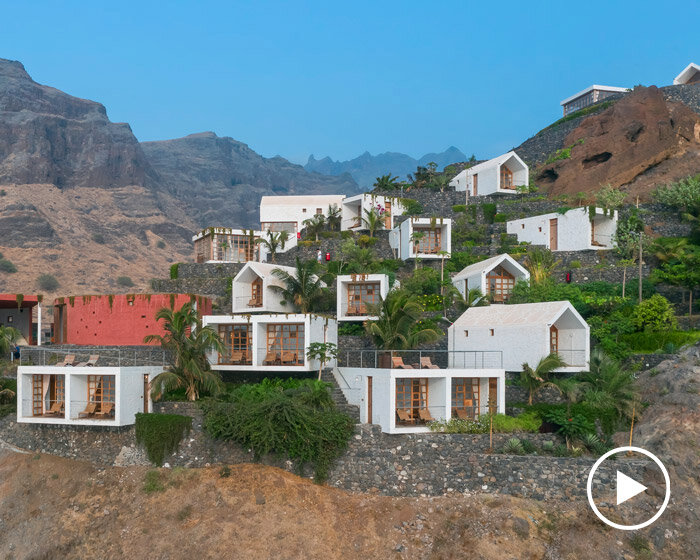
222 180
50 137
24 226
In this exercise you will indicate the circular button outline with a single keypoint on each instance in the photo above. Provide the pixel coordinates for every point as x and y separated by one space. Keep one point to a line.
615 452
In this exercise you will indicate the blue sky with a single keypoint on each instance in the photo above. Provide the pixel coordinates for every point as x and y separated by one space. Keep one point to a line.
332 78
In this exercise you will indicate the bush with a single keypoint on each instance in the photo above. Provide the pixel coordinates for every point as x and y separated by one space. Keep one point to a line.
48 282
500 218
459 208
174 269
654 314
152 482
423 281
654 341
570 425
293 418
350 329
489 211
161 434
525 422
98 238
513 447
3 192
459 426
7 266
160 244
124 281
575 264
411 207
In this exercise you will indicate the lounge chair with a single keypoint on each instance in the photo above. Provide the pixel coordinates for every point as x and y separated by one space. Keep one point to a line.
270 359
90 409
397 363
254 303
426 363
91 362
105 410
55 409
424 414
462 413
236 357
288 358
404 416
68 360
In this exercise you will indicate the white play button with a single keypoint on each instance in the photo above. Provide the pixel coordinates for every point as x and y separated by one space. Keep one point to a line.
627 488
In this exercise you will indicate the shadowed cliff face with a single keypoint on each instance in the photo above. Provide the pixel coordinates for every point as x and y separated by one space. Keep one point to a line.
638 143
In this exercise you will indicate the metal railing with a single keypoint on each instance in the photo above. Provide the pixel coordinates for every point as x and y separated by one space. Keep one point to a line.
244 302
573 358
108 357
421 359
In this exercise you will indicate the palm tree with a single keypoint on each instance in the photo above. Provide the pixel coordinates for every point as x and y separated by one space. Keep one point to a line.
187 342
8 337
303 287
670 249
386 182
541 264
535 379
274 242
315 225
396 325
471 298
415 238
441 182
334 217
373 220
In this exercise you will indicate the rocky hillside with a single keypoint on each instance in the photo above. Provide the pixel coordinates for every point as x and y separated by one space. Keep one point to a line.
222 180
366 168
635 142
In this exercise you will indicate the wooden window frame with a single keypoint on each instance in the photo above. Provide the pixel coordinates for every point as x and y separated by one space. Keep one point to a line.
359 296
285 337
237 337
465 390
256 292
37 395
553 340
507 178
503 284
101 389
411 395
431 243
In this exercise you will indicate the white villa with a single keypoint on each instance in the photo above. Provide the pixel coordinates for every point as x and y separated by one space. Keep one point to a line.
83 395
436 238
269 342
287 213
689 75
256 289
354 208
589 96
355 291
494 277
525 333
500 175
219 245
570 231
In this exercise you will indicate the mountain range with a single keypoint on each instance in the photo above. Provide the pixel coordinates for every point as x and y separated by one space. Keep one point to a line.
366 168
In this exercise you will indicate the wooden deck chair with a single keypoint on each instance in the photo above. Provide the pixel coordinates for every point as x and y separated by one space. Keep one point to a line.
397 363
90 409
270 359
462 413
404 416
236 357
288 358
424 414
68 360
426 363
55 409
106 410
92 361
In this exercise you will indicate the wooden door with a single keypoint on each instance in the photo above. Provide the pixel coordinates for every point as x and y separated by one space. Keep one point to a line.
553 234
493 395
369 399
475 184
387 214
37 395
146 388
553 340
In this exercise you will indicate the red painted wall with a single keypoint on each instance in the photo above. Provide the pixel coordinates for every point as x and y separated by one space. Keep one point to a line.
126 321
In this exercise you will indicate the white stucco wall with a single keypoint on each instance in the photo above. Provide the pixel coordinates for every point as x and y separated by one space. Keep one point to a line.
573 229
241 292
342 282
355 206
402 239
21 320
296 208
489 176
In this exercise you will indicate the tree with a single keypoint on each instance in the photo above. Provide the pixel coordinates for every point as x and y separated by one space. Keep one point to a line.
396 326
442 254
471 298
540 262
275 242
386 182
441 182
609 198
627 239
415 238
685 196
315 225
8 338
303 287
324 352
534 379
670 249
187 343
373 219
654 314
334 218
684 273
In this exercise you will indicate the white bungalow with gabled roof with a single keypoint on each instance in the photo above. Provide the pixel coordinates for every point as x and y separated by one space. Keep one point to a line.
354 209
573 230
422 238
356 291
525 333
256 289
494 277
500 175
287 213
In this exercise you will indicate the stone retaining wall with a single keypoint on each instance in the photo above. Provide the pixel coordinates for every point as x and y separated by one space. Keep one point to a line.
109 355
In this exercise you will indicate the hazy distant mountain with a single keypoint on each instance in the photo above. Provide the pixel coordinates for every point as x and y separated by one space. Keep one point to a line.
366 168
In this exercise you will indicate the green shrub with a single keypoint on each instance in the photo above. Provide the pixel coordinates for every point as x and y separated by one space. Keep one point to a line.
459 426
160 244
3 192
98 238
423 281
411 207
7 266
654 341
570 425
293 418
161 434
174 269
500 218
489 211
225 471
654 314
513 447
459 208
525 422
575 264
124 281
48 282
350 329
152 482
528 446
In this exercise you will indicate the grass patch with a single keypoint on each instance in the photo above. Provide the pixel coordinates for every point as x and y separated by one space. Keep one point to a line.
580 113
152 482
667 341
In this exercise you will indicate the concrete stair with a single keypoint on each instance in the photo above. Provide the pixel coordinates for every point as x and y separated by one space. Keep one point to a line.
338 397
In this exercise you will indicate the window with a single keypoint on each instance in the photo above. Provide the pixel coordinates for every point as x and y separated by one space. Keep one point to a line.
37 395
285 344
101 392
387 214
235 248
466 394
466 333
319 211
303 210
499 283
553 340
360 294
256 293
430 243
522 226
539 229
491 332
237 345
506 178
412 396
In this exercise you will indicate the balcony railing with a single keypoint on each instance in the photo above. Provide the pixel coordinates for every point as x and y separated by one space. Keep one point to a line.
421 359
573 358
247 302
107 357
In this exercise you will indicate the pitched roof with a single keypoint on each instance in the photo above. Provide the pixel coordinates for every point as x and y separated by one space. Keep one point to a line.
264 270
687 73
494 161
488 264
614 89
517 314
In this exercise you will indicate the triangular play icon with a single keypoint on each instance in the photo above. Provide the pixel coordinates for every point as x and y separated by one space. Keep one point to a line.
627 488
